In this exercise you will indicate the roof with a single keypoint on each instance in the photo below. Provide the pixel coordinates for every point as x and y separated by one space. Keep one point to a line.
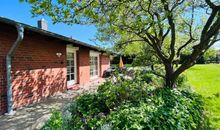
50 34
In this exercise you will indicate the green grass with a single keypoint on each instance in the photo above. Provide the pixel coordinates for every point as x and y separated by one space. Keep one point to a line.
126 65
205 80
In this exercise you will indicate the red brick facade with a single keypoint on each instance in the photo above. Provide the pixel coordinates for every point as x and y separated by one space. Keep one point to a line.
104 63
37 71
83 65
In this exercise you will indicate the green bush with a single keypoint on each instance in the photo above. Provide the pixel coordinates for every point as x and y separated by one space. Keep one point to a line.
85 111
55 122
182 82
167 109
139 103
162 109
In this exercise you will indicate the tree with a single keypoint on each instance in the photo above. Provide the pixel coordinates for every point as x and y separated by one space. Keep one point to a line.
138 51
148 21
210 55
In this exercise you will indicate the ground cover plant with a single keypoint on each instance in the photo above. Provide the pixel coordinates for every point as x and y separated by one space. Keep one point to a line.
205 80
137 103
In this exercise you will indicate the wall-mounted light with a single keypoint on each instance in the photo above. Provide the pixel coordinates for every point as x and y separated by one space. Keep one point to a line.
59 54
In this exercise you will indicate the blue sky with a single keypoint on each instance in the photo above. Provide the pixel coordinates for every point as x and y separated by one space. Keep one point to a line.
15 10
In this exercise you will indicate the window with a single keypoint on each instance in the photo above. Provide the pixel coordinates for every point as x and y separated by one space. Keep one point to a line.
70 66
94 66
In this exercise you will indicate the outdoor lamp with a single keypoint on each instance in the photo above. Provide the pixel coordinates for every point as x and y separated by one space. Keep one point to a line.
59 54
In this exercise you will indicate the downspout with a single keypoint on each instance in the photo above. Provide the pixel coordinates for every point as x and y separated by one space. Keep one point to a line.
10 54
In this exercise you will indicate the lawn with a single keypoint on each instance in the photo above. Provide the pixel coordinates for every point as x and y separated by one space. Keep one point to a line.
116 65
205 80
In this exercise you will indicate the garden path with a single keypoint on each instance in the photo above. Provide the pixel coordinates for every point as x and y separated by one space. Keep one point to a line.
33 117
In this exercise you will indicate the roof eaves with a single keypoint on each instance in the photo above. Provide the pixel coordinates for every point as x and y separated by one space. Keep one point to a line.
48 33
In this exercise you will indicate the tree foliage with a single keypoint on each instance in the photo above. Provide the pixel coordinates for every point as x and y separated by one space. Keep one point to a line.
210 54
149 21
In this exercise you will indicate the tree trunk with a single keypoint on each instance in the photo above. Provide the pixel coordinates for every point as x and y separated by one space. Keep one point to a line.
169 77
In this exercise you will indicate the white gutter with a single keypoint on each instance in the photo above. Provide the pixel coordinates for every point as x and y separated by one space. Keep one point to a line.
10 54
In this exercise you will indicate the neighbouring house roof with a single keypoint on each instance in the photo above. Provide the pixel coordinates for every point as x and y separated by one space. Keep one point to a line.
50 34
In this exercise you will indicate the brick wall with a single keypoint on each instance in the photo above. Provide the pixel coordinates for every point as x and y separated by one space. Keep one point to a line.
5 38
83 65
104 63
36 70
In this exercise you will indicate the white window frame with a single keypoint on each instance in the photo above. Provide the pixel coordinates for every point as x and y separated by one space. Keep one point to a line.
70 48
95 54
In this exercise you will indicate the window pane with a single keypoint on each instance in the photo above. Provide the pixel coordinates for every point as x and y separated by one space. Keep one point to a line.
68 77
72 70
68 64
96 67
70 55
72 76
68 69
72 62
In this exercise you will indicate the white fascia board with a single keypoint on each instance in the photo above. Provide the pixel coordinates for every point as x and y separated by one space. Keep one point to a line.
71 48
94 53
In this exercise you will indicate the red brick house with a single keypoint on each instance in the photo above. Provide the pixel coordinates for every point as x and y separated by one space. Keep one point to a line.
40 63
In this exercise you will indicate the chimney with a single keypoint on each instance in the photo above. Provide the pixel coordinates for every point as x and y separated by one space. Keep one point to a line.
42 24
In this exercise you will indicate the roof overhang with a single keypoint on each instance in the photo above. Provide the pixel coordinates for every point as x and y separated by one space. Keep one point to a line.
50 34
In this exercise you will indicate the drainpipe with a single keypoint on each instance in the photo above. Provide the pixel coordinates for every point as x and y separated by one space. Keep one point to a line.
10 54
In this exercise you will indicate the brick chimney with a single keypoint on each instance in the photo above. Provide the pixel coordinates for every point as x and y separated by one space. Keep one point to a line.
42 24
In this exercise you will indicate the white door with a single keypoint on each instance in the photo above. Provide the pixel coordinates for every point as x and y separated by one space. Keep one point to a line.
94 65
71 68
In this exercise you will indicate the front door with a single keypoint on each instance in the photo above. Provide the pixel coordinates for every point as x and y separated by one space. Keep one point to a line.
71 68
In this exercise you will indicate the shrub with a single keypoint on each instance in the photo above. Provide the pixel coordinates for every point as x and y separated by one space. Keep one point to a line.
55 122
86 110
162 109
139 103
167 109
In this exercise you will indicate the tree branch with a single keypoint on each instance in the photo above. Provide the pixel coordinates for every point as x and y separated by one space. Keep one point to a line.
212 5
178 2
183 46
131 41
208 24
165 34
172 28
191 39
